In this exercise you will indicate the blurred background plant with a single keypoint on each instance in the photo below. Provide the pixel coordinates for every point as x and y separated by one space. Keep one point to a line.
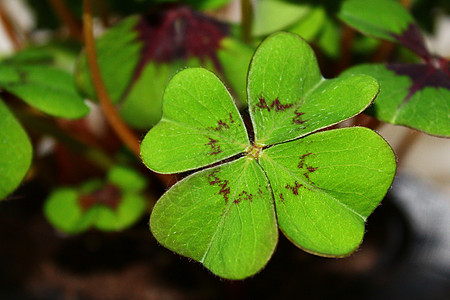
71 119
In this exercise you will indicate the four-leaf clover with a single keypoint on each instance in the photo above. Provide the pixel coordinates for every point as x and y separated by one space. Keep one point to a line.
317 188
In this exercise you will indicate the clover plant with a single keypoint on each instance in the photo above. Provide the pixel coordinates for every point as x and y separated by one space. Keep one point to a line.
145 51
318 186
33 76
416 95
114 204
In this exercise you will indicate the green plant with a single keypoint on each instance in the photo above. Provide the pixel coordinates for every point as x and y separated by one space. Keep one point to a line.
33 76
414 94
259 147
111 205
317 183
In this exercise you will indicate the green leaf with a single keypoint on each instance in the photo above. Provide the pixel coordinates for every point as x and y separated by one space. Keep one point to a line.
222 217
329 39
61 55
126 179
63 211
379 18
416 96
15 152
143 105
144 55
289 98
127 213
386 19
326 185
118 51
310 25
200 125
272 15
48 89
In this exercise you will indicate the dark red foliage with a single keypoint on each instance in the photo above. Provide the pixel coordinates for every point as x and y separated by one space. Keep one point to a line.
434 74
179 33
412 39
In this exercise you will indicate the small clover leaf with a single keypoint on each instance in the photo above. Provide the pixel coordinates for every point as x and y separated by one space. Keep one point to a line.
319 189
111 205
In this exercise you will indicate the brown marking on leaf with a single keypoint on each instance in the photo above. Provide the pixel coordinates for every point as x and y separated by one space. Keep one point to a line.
260 191
214 178
281 197
262 104
280 107
298 119
231 118
276 105
221 125
302 165
244 195
225 190
215 149
109 195
302 160
294 188
223 184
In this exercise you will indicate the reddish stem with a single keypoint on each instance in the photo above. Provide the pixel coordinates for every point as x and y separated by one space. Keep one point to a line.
112 116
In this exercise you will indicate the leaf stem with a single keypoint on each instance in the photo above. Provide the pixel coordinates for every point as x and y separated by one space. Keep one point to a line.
247 20
406 3
112 116
9 28
67 18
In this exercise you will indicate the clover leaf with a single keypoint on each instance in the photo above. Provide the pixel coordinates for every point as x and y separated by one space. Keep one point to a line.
413 95
318 188
33 76
114 204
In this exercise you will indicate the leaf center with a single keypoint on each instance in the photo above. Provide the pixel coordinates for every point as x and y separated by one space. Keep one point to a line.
254 151
109 196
